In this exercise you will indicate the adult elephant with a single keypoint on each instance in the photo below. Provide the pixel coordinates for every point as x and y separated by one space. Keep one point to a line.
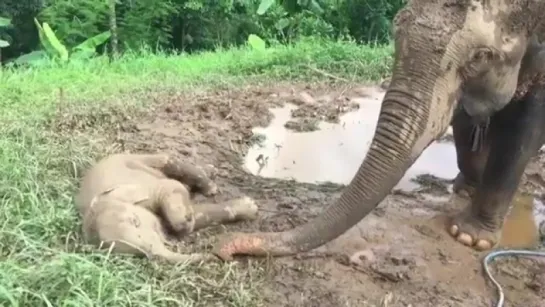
443 49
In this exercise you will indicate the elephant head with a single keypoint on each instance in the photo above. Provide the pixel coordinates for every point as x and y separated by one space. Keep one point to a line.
442 47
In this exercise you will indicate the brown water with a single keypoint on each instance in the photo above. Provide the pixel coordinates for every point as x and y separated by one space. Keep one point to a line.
334 152
521 226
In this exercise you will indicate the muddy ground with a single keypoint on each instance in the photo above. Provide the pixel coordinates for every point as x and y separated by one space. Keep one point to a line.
399 255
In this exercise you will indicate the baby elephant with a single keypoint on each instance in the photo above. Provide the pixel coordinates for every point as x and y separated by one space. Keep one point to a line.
131 199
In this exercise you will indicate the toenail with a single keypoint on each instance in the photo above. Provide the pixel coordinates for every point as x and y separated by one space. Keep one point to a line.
454 230
483 245
465 239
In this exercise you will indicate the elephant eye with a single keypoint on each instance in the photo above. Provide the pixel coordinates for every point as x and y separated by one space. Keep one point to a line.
482 54
479 62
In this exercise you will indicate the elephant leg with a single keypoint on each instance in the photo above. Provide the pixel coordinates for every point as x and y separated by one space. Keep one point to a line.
239 209
471 160
193 176
515 135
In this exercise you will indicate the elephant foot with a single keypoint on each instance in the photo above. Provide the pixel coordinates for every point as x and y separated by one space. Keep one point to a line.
470 231
459 200
461 187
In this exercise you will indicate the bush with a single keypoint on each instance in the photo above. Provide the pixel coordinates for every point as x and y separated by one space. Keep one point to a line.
23 36
191 25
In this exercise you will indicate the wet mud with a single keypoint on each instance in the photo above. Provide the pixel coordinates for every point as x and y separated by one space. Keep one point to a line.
399 255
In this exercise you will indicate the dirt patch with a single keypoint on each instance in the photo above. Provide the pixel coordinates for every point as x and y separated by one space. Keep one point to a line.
320 106
399 255
431 184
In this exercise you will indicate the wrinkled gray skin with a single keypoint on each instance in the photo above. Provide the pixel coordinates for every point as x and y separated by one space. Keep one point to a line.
487 182
443 48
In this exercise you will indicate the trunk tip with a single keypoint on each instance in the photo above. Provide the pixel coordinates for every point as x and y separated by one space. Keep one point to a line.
238 243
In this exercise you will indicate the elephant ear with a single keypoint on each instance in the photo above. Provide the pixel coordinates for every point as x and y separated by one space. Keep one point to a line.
532 67
534 59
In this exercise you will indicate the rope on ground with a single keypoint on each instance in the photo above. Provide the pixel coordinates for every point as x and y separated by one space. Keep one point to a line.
500 253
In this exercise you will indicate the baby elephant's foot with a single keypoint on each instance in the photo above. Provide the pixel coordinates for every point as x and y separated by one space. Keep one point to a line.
185 226
472 232
208 187
181 223
244 208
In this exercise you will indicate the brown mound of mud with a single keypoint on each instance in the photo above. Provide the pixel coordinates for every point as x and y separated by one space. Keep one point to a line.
398 256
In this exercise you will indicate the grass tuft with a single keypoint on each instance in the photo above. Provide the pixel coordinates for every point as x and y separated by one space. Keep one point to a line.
42 259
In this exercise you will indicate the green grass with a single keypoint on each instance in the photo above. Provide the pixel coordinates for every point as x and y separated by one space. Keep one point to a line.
42 259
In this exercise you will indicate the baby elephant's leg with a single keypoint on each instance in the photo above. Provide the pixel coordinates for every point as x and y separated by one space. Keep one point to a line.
193 176
214 214
172 202
157 161
161 165
152 164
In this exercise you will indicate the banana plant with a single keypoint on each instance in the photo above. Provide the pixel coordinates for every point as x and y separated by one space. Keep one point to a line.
4 23
291 6
255 42
54 48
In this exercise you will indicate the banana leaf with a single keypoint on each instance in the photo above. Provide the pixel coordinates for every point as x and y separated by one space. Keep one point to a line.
256 42
52 38
5 22
82 54
264 6
93 42
31 58
44 41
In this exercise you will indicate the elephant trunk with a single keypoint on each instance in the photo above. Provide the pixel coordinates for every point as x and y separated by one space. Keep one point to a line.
407 124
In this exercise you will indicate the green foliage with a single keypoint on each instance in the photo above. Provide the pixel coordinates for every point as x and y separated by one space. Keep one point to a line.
50 41
22 35
256 42
76 20
88 47
141 69
36 58
192 25
371 20
264 6
4 23
293 6
55 49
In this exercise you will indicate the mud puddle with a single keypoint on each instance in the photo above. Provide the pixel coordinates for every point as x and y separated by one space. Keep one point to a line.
400 255
334 152
522 226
